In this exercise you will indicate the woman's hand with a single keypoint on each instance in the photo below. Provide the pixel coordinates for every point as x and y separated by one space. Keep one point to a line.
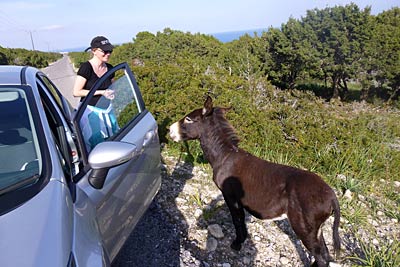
109 94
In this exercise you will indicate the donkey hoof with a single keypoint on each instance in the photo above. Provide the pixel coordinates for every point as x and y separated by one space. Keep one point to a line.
236 245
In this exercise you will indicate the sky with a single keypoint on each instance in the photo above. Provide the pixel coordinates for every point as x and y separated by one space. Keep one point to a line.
53 25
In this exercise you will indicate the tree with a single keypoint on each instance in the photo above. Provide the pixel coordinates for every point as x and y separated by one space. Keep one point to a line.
341 36
240 57
291 53
382 58
3 57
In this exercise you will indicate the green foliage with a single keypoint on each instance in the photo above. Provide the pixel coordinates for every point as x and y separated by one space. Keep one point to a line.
241 57
341 34
79 57
382 60
291 53
23 57
386 255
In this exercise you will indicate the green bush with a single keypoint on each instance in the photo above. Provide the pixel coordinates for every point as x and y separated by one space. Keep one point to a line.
23 57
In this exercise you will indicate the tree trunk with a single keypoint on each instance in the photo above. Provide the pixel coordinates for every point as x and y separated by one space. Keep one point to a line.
395 95
335 86
345 90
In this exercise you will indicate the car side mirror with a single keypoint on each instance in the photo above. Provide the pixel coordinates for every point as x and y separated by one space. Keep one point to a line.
105 156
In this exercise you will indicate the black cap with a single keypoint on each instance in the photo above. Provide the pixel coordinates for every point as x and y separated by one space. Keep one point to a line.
102 43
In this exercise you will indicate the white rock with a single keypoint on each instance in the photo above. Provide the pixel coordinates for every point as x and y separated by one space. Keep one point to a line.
198 213
333 264
348 194
396 183
215 230
284 261
225 264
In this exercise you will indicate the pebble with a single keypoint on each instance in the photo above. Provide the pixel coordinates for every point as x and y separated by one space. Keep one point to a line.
198 213
284 261
246 261
212 244
348 194
215 230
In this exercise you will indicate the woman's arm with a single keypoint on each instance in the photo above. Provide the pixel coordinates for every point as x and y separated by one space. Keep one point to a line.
79 91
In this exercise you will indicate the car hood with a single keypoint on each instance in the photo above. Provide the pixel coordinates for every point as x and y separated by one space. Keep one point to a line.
38 233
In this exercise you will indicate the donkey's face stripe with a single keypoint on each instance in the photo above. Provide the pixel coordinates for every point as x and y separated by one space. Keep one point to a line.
174 132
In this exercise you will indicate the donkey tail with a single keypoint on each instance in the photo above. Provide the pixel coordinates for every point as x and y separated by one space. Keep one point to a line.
336 214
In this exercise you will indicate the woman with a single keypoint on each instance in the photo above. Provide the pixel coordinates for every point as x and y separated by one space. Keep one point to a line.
92 70
98 122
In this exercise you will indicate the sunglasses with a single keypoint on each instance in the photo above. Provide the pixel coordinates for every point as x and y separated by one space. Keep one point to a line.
105 51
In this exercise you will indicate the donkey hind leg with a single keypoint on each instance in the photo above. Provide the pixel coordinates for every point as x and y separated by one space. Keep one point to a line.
326 258
316 246
238 218
325 251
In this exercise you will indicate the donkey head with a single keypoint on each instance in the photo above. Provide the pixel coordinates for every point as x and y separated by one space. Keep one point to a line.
191 126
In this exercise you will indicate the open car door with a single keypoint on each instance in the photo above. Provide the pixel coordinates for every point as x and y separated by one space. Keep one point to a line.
121 191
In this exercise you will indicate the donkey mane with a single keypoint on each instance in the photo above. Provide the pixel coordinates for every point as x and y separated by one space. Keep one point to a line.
223 133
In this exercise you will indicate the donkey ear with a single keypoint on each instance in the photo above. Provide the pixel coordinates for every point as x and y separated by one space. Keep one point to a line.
208 106
225 110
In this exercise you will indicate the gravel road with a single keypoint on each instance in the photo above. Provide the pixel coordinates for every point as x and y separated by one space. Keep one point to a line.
63 75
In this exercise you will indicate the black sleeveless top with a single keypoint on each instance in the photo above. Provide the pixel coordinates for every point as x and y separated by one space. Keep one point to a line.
87 72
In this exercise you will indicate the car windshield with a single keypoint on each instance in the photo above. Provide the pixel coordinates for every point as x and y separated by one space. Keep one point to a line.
20 161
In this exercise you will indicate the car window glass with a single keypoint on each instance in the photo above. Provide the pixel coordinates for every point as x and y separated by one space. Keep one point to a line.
55 93
58 131
111 113
20 158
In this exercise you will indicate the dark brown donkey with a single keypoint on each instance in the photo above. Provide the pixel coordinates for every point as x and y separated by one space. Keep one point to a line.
265 189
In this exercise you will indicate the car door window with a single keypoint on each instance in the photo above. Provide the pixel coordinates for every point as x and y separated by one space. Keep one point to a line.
109 117
66 150
52 89
62 104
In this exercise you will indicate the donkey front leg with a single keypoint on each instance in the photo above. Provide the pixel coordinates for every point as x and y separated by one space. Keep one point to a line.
238 218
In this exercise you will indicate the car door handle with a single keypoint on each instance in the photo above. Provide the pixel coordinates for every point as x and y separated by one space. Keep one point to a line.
148 137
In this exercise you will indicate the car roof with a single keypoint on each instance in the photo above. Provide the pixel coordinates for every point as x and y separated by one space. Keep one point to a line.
13 74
